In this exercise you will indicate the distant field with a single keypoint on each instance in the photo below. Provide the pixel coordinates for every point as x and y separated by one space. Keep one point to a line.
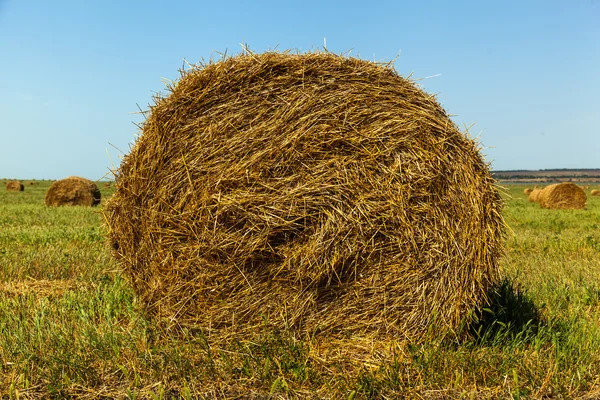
70 324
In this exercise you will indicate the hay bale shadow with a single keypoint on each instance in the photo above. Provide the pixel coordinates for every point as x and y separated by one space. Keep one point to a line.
511 315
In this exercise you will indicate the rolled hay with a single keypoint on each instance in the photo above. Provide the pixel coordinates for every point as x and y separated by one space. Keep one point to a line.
534 195
563 196
15 186
595 192
319 193
73 191
527 191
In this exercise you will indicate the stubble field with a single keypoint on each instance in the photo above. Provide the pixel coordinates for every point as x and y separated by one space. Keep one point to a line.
70 325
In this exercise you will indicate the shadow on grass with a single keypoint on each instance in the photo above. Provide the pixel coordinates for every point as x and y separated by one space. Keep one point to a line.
510 316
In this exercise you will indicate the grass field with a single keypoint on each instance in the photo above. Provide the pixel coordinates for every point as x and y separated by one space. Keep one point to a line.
70 325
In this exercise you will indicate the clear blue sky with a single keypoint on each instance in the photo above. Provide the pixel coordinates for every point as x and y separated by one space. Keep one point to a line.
526 73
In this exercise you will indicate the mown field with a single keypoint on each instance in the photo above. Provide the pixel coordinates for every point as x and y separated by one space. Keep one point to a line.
70 325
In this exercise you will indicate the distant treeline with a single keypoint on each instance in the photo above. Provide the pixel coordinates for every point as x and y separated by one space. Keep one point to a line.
546 170
549 175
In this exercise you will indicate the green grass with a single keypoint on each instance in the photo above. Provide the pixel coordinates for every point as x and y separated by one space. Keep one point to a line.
70 325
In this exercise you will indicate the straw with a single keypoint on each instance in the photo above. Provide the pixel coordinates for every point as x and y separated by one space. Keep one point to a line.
320 193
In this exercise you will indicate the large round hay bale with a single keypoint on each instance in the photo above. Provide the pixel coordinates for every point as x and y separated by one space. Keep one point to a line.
595 192
316 192
73 191
563 196
533 196
15 186
527 191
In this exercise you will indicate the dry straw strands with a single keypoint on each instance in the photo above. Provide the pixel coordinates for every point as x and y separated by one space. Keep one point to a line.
42 287
73 191
317 192
527 190
565 196
15 186
595 192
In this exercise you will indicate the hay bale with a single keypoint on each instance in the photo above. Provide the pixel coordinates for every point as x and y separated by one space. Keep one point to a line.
73 191
15 186
317 192
527 191
595 192
533 196
563 196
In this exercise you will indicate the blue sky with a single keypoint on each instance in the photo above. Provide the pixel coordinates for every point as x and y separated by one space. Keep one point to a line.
525 73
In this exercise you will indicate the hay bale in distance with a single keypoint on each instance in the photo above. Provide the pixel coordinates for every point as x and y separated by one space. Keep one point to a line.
563 196
595 192
73 191
321 193
15 186
527 190
533 196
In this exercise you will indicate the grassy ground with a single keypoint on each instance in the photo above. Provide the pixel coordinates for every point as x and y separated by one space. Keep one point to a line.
70 324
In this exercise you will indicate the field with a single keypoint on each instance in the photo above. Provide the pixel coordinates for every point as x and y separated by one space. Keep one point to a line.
70 325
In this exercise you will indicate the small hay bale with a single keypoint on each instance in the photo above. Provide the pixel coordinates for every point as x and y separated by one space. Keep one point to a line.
320 193
533 196
527 190
595 192
562 196
15 186
73 191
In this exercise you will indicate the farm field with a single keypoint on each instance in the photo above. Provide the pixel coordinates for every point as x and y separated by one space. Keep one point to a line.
70 325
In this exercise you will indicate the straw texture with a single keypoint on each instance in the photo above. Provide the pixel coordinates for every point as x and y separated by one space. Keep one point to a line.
563 196
595 192
316 192
527 191
73 191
